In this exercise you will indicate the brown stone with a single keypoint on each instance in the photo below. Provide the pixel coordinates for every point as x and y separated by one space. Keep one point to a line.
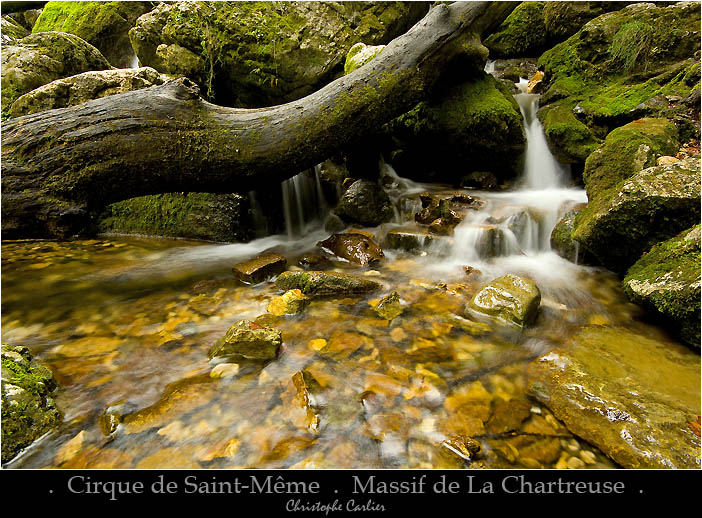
260 268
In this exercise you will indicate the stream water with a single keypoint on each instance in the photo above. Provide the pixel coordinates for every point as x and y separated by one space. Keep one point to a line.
127 323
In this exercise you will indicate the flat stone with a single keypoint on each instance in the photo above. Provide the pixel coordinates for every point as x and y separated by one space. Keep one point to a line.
509 299
631 396
248 340
315 283
260 268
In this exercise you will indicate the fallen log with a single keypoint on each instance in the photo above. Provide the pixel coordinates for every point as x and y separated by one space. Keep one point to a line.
61 167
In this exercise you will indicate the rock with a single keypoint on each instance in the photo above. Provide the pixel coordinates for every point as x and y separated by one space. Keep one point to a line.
479 180
463 446
562 241
290 303
563 19
354 247
104 25
248 340
512 70
112 417
410 240
334 223
194 215
359 55
41 58
569 139
259 269
84 87
666 280
264 53
316 283
365 203
11 31
522 33
25 18
622 223
477 123
627 394
28 408
389 306
304 382
314 262
224 370
509 299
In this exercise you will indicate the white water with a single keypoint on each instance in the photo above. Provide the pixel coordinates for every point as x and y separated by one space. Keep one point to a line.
304 206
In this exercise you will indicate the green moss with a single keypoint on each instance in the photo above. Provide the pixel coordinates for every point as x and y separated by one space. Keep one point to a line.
521 34
570 140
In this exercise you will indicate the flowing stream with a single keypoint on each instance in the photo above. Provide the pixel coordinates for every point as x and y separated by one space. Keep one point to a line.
127 323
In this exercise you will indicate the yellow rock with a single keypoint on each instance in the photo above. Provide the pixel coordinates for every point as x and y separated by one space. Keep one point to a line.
290 303
225 370
317 344
398 334
71 448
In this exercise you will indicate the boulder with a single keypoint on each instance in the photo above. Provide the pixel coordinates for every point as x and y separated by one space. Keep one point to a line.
315 283
253 54
634 397
509 299
213 217
84 87
562 241
289 303
666 280
522 33
563 19
248 340
365 203
41 58
482 180
28 408
655 204
259 269
359 55
11 31
25 18
104 25
354 247
569 139
409 240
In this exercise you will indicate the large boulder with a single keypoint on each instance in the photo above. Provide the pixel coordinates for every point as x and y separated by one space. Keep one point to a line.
28 408
11 31
562 241
623 222
569 139
84 87
666 280
509 299
104 25
634 397
263 53
522 33
213 217
473 126
365 203
563 19
41 58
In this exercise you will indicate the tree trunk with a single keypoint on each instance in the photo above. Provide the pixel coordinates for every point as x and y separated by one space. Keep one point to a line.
60 167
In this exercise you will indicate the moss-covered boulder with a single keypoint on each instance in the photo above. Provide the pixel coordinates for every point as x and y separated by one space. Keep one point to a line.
473 126
509 300
249 340
666 280
562 241
626 220
359 55
213 217
11 31
28 408
315 283
25 18
104 25
365 203
41 58
634 396
569 139
521 34
84 87
289 303
627 150
563 19
264 53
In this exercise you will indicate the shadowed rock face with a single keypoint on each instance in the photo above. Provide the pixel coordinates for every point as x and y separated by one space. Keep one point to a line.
635 398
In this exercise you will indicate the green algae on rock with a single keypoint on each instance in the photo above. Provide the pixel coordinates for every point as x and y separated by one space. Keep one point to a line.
562 241
102 24
11 31
628 394
569 139
389 306
521 34
667 281
289 303
28 408
248 340
314 283
509 299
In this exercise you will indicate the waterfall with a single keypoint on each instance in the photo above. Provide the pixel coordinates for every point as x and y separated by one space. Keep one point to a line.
304 206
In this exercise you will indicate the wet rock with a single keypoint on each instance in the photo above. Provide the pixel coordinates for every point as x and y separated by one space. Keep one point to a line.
522 33
224 370
304 384
627 394
41 58
11 31
409 240
102 24
290 303
389 306
112 417
465 447
314 283
365 203
666 280
334 223
569 139
313 261
260 268
562 241
28 408
509 299
619 225
359 55
248 340
354 247
479 180
507 416
84 87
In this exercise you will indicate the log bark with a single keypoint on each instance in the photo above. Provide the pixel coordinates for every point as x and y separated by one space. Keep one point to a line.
61 167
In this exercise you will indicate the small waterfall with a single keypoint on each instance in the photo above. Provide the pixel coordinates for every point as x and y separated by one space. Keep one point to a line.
304 206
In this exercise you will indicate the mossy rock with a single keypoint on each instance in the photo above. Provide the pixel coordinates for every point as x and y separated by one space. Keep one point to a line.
213 217
562 241
568 138
509 300
255 54
627 150
653 205
104 25
666 280
521 34
28 408
316 283
365 203
563 19
40 58
11 31
473 126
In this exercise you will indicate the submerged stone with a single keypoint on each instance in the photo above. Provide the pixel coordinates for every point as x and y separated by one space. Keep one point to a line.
627 394
389 306
355 247
248 340
508 299
290 303
315 283
259 269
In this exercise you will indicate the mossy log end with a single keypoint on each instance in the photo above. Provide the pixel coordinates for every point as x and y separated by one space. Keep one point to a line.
60 167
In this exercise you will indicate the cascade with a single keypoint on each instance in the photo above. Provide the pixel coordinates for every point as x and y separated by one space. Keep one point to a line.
304 206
